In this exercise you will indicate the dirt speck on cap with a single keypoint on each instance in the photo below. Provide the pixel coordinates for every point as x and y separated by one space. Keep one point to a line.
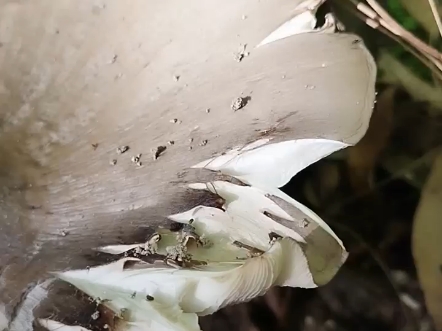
238 103
136 159
114 59
122 149
239 56
181 174
156 152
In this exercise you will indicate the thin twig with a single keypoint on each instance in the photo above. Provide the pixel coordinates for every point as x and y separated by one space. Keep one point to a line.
397 29
365 13
376 16
436 15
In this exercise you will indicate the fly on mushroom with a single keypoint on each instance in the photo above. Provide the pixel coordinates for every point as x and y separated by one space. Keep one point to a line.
186 236
151 245
188 233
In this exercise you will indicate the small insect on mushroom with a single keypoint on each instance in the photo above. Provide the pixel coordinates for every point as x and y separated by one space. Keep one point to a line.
177 256
148 248
151 245
188 232
252 251
237 104
149 297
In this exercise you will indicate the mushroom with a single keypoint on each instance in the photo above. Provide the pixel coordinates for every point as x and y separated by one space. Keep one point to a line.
58 94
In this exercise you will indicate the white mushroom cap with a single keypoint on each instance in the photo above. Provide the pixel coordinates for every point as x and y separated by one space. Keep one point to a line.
73 74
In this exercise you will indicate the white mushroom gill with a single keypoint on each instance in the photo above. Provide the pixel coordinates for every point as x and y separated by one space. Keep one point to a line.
243 250
256 166
259 239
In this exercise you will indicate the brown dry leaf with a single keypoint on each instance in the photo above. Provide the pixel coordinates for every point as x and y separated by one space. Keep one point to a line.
427 245
362 158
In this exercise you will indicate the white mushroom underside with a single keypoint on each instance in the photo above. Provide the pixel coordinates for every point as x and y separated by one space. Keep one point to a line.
180 295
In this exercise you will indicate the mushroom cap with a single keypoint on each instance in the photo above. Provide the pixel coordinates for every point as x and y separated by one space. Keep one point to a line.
80 79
